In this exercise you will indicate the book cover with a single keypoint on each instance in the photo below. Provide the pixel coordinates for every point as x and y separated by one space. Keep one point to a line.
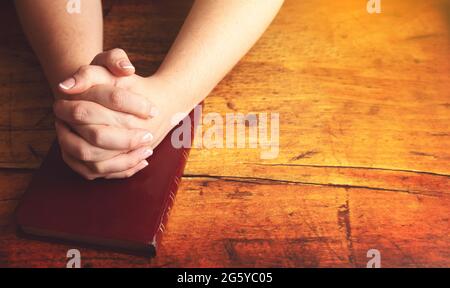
126 215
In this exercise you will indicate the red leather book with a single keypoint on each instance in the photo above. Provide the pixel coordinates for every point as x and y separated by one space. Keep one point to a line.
124 214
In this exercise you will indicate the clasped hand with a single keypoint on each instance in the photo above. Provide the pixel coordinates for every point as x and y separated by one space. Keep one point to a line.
109 120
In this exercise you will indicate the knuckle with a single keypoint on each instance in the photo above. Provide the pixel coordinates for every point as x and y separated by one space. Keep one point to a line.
79 112
132 142
84 154
84 69
125 120
96 136
117 53
117 98
147 107
84 72
98 168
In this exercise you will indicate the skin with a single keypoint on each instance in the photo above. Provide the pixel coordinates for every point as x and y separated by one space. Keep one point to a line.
108 118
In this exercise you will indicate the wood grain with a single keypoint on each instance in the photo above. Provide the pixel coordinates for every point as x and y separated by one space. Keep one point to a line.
364 134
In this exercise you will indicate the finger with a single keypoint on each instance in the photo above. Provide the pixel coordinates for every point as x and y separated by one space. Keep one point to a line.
128 173
119 99
120 163
86 77
87 112
117 62
89 173
79 148
114 138
79 167
83 112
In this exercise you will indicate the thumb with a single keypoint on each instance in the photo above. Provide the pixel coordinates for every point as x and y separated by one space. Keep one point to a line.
85 78
116 61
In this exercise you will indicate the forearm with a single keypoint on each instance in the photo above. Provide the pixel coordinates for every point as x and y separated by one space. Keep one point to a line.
63 42
215 35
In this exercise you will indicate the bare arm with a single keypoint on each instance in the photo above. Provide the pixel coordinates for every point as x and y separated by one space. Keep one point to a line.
62 41
215 35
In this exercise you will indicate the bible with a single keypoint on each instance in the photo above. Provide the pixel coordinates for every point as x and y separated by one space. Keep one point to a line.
127 215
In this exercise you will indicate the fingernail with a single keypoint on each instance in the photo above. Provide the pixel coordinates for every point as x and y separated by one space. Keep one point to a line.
125 64
143 164
147 137
147 153
68 83
154 112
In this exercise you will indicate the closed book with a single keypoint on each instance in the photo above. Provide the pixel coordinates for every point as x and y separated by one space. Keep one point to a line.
127 214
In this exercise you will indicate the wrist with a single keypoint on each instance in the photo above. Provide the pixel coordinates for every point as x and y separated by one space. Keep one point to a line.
181 97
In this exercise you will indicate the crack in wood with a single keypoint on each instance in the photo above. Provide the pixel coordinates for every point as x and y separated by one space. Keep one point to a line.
351 167
343 215
307 154
261 180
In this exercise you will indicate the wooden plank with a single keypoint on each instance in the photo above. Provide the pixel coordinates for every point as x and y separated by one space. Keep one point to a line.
352 89
273 225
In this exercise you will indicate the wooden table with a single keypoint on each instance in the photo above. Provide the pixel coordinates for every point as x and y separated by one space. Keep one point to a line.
364 157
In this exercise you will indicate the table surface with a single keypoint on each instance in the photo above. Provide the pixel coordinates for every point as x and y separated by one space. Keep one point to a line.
364 152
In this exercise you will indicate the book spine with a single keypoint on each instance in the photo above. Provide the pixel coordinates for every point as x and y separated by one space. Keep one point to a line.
173 188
